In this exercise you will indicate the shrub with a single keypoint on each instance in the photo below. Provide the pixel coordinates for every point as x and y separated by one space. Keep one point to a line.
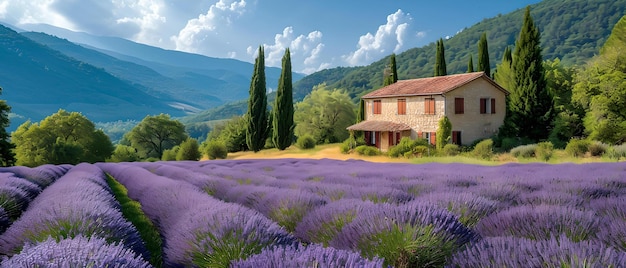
124 153
597 148
616 152
406 147
367 150
577 147
508 144
305 142
169 154
188 150
483 149
524 151
215 150
451 149
351 143
421 150
544 150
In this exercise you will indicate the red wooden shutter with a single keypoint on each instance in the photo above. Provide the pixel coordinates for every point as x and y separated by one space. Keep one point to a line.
459 105
483 106
433 138
493 106
454 137
398 137
401 106
419 135
432 106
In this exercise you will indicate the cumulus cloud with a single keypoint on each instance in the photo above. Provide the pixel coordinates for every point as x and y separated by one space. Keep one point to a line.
392 37
305 50
200 35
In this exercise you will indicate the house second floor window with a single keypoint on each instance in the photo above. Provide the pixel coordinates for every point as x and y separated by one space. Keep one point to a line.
487 105
401 106
377 107
459 105
429 106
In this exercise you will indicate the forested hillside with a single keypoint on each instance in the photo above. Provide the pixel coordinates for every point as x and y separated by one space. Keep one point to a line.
572 31
38 81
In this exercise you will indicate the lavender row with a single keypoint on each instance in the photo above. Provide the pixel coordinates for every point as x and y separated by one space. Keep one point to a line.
79 203
20 185
212 232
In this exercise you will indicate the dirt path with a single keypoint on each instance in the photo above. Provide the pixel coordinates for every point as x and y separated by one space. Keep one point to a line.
326 151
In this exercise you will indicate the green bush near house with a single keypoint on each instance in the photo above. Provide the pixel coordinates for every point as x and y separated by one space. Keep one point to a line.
451 149
544 150
305 142
597 148
524 151
406 147
483 149
577 147
367 150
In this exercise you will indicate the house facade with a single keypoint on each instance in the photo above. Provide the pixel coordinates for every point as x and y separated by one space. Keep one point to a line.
473 102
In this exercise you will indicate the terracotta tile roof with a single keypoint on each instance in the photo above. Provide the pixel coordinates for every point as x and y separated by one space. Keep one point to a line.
379 126
429 86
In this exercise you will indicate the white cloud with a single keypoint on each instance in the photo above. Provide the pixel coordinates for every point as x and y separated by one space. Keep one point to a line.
392 37
305 50
146 15
200 34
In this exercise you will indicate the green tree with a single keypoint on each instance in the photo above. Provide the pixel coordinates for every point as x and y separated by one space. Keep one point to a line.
444 132
231 133
504 71
155 134
530 105
256 130
7 156
189 150
470 64
124 153
282 112
324 114
568 118
483 55
391 72
600 90
61 138
440 59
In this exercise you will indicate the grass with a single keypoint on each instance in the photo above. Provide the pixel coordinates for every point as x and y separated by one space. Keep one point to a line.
132 212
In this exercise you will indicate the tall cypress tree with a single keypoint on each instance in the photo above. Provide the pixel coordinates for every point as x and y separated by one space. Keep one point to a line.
470 64
256 128
483 56
530 104
282 123
440 60
391 73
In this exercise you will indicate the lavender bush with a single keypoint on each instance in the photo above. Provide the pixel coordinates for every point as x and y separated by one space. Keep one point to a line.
307 256
79 251
510 251
74 205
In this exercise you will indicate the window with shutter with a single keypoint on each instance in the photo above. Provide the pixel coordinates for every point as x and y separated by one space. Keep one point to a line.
401 106
377 107
483 105
429 106
493 106
459 105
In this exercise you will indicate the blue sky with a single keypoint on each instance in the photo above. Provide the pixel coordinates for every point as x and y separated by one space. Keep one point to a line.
320 33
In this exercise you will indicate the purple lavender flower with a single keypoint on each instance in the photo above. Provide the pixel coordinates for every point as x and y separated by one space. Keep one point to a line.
468 207
74 205
522 252
306 256
541 222
75 252
287 206
4 220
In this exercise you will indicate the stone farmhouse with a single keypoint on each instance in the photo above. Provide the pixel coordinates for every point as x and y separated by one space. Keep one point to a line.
473 102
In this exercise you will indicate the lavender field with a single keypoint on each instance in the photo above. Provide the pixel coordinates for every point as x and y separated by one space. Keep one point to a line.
314 213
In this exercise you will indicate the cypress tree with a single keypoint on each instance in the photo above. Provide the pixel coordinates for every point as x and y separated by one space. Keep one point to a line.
256 127
504 72
7 156
361 113
391 73
282 123
483 56
470 64
440 60
530 104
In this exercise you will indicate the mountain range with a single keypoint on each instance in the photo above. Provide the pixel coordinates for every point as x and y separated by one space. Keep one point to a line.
112 79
